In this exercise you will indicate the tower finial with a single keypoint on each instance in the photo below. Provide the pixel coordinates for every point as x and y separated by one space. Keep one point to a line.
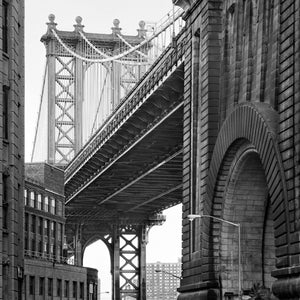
116 29
78 26
51 24
142 31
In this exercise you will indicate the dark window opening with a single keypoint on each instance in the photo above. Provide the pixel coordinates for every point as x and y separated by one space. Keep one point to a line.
31 285
5 111
5 27
42 286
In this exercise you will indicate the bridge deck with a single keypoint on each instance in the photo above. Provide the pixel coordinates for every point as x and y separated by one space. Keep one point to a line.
132 167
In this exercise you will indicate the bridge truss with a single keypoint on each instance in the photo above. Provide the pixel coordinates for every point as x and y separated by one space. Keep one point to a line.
86 77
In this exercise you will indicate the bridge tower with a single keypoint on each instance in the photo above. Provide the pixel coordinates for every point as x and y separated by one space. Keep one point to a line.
68 82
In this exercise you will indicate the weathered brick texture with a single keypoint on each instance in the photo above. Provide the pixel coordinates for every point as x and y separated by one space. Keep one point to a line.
241 90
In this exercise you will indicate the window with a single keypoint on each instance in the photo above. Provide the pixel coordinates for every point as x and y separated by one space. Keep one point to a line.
52 204
39 201
5 111
40 225
31 285
74 289
66 292
81 295
46 204
25 197
58 288
32 199
53 229
33 224
33 244
5 202
59 232
26 222
42 286
40 247
50 286
5 27
46 227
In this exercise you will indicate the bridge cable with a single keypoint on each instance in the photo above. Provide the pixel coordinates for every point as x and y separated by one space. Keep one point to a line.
40 109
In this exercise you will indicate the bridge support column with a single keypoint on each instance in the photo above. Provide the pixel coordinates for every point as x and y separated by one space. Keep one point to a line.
78 255
129 262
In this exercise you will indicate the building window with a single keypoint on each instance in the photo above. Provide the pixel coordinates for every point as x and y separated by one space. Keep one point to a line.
5 201
52 206
25 197
39 201
46 204
81 295
32 199
53 229
5 111
42 286
46 227
75 289
59 232
58 288
33 224
26 222
66 292
40 225
31 285
50 286
5 27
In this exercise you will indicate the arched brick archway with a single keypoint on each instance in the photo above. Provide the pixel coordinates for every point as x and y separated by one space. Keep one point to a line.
244 200
246 143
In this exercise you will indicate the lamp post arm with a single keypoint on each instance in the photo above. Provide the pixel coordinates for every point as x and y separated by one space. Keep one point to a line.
221 220
163 271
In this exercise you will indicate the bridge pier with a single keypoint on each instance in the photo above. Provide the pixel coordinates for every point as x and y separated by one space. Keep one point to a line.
129 261
241 149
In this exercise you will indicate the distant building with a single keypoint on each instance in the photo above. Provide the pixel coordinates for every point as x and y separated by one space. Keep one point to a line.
163 279
47 273
11 148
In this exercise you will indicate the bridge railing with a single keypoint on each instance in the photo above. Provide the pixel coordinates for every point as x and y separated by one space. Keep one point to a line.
171 57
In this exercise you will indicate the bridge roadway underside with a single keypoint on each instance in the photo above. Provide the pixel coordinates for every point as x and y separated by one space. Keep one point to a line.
137 172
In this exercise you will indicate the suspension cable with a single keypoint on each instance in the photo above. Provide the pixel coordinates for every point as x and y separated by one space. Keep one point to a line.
40 109
113 58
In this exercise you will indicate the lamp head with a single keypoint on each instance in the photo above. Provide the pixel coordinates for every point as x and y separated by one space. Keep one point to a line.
192 217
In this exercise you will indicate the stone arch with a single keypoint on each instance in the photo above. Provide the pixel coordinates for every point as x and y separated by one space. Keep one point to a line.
243 198
248 133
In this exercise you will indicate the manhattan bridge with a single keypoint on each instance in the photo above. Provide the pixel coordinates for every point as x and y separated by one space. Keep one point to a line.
201 108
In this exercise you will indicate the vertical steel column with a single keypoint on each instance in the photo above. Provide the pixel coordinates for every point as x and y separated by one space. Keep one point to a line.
116 83
142 260
51 101
78 255
116 263
79 93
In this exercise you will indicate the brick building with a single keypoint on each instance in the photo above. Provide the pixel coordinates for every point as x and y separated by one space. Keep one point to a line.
163 279
47 272
11 147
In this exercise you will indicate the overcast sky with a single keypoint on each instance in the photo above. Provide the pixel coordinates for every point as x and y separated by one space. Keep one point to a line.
98 15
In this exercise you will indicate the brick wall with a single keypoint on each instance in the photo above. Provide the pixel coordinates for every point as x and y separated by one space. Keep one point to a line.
12 146
244 90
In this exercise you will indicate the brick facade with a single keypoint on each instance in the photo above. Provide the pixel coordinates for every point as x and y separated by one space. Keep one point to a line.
241 146
11 147
48 270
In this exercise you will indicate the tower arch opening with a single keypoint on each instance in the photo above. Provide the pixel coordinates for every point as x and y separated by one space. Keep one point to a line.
97 255
245 201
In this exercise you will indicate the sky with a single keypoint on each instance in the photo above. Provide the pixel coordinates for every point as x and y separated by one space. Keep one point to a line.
164 241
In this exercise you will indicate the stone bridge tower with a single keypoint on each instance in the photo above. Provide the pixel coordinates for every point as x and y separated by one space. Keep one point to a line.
241 148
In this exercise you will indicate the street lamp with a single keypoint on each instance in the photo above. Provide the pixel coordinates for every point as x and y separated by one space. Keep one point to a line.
192 217
163 271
